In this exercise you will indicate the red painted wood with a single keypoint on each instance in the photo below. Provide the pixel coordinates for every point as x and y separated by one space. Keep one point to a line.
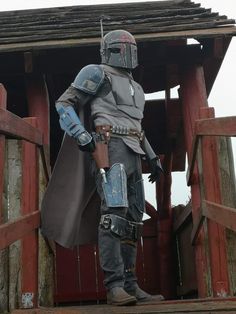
101 291
38 103
151 271
15 230
2 161
166 205
3 97
80 278
3 104
88 271
151 211
12 125
166 260
140 265
193 96
216 233
29 247
221 214
67 270
225 126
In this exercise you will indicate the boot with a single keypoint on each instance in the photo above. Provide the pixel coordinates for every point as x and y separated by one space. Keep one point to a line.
118 296
145 297
129 253
112 264
110 258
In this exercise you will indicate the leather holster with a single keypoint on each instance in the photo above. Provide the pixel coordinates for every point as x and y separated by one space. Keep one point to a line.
100 155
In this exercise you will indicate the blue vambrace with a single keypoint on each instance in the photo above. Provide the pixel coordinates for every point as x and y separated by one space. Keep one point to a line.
71 124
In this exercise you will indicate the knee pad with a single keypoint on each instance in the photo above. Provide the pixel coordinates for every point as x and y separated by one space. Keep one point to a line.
115 189
121 227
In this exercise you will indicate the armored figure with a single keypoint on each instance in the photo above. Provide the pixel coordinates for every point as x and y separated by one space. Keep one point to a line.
101 112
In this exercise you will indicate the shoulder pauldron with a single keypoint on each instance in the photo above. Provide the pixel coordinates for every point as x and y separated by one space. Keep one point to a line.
89 79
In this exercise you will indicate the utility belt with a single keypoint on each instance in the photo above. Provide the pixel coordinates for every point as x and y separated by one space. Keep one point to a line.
108 131
102 136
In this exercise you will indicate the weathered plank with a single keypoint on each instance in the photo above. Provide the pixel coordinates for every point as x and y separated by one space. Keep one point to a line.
224 126
47 252
156 36
14 126
18 228
221 306
228 192
81 22
12 187
193 96
216 232
29 195
223 215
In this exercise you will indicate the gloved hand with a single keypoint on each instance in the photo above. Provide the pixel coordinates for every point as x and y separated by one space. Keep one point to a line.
155 169
90 147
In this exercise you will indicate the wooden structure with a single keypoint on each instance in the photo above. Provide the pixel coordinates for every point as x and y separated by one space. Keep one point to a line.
40 53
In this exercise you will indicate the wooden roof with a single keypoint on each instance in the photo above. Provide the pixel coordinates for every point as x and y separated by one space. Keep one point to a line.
80 25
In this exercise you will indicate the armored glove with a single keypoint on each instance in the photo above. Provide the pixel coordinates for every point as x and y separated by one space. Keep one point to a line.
85 137
71 124
155 169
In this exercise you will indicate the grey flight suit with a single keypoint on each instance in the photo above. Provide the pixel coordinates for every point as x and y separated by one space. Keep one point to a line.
119 102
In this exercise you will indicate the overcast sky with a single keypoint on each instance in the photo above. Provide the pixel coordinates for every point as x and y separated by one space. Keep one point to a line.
222 97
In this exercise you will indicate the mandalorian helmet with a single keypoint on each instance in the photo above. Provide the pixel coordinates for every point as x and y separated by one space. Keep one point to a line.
119 49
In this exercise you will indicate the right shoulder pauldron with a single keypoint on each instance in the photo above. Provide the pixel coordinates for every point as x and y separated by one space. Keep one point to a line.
89 79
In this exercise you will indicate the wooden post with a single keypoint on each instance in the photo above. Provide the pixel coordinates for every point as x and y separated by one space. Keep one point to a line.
165 242
3 216
228 193
38 106
3 104
38 103
193 96
12 187
46 267
212 192
29 254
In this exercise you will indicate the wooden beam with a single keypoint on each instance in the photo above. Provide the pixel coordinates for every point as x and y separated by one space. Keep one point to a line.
197 227
45 162
225 126
184 217
221 214
214 50
192 159
17 229
38 103
157 36
14 126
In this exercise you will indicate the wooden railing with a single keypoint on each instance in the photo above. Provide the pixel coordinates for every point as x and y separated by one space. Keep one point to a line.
25 227
223 215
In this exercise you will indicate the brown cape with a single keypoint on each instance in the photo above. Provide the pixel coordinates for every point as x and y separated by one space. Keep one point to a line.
70 207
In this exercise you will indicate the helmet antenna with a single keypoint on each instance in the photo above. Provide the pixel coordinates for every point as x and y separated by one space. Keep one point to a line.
101 26
102 35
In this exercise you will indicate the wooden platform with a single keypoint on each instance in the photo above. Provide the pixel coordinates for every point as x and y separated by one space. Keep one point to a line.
205 306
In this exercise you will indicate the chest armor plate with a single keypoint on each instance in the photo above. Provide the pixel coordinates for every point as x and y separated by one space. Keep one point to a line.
126 97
